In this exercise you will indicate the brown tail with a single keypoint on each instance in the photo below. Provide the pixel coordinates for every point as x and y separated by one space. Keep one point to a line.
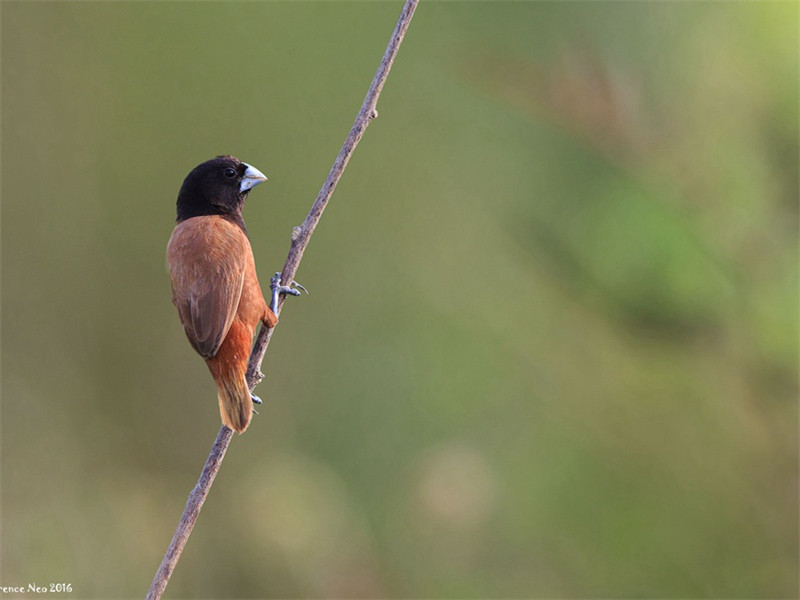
235 403
228 367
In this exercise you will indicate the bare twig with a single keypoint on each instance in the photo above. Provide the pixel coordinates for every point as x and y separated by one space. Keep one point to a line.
302 234
300 238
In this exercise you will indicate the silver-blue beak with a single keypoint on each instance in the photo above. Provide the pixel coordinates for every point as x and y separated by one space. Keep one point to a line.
252 177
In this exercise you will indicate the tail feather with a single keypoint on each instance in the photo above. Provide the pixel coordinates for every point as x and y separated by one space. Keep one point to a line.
235 403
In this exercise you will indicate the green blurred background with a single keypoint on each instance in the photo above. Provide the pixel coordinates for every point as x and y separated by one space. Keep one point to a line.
551 345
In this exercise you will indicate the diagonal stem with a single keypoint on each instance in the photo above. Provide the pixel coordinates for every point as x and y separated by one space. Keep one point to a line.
302 234
300 238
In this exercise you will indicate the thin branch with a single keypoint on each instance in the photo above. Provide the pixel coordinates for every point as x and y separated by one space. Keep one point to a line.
300 238
190 513
302 234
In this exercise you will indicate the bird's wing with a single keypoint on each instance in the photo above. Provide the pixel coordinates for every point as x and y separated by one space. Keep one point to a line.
207 268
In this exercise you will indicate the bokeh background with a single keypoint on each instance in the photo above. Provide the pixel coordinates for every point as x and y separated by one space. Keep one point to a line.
550 349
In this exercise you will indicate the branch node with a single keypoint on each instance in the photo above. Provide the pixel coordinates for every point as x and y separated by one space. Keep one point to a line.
296 231
373 114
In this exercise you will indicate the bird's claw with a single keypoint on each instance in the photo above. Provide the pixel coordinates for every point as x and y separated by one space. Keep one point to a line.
299 288
277 289
256 400
293 290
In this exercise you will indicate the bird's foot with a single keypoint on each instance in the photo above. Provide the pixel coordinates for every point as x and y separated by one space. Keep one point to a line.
277 289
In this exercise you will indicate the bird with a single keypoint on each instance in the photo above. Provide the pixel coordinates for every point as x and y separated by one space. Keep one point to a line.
214 282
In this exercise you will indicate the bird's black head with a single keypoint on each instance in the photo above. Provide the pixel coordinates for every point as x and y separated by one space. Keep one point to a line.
218 187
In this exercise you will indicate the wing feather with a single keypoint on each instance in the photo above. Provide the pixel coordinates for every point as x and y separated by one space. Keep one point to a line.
207 268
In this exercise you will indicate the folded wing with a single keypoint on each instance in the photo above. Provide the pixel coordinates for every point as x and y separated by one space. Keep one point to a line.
206 284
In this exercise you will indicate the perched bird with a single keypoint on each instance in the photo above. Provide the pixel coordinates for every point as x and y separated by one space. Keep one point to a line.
214 283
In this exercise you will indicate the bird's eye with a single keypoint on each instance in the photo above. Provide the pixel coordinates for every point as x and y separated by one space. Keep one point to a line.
229 173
